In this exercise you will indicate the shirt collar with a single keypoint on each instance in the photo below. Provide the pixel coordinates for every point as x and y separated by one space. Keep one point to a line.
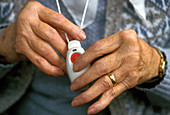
76 8
77 12
139 6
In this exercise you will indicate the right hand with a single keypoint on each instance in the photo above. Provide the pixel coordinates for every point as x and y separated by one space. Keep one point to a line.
36 26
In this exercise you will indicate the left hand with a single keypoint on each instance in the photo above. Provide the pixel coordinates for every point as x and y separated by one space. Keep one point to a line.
130 59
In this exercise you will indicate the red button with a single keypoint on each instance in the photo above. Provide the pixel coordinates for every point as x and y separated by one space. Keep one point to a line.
74 57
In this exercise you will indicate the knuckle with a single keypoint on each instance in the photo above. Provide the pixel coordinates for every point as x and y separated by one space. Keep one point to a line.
96 47
45 50
34 4
31 6
135 58
132 84
128 34
105 83
131 81
51 71
38 61
101 67
111 93
59 18
125 84
135 78
104 69
35 25
50 33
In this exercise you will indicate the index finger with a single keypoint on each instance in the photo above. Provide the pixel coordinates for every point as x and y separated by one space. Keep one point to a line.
106 46
58 21
97 50
99 68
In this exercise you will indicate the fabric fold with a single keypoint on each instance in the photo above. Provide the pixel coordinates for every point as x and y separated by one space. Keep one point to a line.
77 12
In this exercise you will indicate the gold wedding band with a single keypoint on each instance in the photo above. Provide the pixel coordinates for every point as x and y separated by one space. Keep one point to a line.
112 78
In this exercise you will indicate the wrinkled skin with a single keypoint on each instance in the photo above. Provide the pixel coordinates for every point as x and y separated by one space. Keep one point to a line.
130 59
28 38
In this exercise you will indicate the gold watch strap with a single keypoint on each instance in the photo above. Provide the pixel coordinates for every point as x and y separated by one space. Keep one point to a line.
163 63
162 72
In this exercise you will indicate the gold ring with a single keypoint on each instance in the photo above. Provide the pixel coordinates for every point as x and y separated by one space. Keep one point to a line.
112 78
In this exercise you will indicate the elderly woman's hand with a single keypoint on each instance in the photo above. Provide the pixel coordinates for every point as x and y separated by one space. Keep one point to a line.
130 59
29 37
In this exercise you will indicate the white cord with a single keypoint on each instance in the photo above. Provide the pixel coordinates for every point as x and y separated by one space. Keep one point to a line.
84 14
83 17
59 10
67 37
58 6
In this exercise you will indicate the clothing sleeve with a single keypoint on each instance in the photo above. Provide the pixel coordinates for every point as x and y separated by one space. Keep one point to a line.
160 94
6 18
5 69
6 13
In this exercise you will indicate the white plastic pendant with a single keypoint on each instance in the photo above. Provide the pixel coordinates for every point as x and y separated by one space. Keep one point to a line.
75 50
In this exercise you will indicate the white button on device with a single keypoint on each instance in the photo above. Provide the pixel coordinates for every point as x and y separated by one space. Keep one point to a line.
75 50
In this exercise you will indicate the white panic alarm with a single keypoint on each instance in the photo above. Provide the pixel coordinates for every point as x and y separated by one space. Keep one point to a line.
74 51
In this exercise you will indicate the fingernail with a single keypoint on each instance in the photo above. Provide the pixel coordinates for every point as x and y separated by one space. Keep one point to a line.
82 35
75 67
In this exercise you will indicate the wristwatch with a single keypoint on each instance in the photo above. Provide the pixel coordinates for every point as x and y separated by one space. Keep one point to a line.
162 72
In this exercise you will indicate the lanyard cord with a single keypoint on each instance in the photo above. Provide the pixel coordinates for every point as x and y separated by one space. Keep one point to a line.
84 14
83 17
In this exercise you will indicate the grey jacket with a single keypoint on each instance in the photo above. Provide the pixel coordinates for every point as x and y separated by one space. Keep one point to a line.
15 79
